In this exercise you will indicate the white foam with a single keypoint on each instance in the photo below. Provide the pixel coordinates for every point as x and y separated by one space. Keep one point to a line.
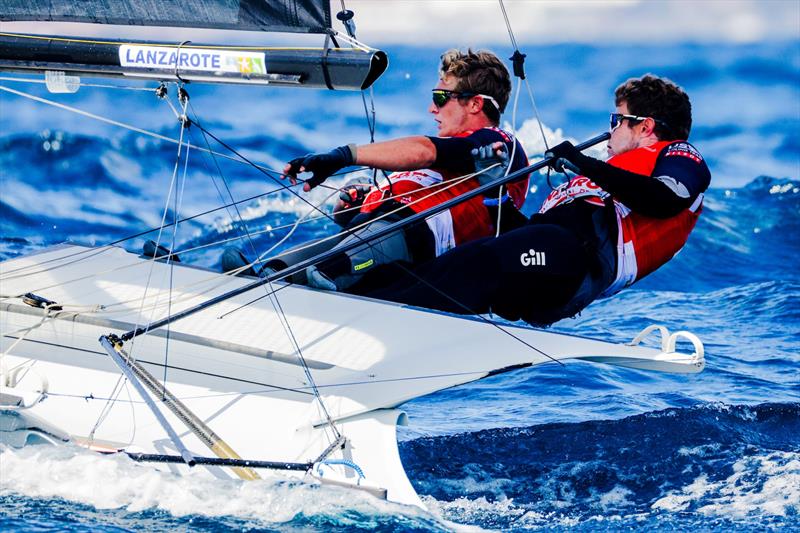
107 482
765 485
615 498
502 512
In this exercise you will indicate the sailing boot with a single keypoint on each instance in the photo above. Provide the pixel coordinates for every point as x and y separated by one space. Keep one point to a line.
233 259
161 253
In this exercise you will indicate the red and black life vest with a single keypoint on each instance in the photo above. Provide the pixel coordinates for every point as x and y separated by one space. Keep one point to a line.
644 243
422 189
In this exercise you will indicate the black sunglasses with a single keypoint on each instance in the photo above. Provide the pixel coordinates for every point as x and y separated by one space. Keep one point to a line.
615 119
442 96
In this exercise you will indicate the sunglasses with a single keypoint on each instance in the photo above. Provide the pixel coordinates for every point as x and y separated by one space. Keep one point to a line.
442 96
615 119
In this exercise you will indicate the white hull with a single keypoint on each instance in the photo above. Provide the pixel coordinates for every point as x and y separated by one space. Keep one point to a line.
237 368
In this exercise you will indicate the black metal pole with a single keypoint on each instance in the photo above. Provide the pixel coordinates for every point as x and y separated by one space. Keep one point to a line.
218 461
417 217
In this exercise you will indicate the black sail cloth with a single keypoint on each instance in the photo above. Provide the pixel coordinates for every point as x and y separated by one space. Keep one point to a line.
296 16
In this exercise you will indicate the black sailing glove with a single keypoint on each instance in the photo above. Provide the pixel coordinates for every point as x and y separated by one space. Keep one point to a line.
350 199
565 155
485 157
321 165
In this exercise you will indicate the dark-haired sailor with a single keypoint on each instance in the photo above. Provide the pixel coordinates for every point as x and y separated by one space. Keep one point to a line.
472 92
601 231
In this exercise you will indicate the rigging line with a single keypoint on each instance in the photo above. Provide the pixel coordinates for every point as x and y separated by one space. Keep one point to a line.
170 261
508 25
500 190
173 184
517 55
243 226
276 303
106 410
219 172
538 117
294 228
91 252
130 127
302 390
312 383
81 84
347 19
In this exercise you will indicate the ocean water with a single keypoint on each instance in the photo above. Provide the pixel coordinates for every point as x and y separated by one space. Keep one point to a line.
580 447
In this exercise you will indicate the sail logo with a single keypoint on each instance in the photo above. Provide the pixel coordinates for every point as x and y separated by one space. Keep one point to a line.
192 59
532 258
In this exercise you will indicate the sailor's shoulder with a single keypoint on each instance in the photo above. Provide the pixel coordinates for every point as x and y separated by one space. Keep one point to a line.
681 148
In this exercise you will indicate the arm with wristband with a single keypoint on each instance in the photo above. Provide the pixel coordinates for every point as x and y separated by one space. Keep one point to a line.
673 186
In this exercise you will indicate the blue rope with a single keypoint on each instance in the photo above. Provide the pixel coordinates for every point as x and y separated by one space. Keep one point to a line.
343 462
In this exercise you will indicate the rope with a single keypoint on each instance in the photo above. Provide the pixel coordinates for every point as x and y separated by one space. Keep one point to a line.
127 126
343 462
158 238
81 84
508 26
170 262
519 71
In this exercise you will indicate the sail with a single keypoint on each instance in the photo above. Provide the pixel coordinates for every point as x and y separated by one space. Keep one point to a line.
330 66
297 16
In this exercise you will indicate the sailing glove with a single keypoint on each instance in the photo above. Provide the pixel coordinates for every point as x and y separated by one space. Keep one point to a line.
565 155
350 200
491 161
322 166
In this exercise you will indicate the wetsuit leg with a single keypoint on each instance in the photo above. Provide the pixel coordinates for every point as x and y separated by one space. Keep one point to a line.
524 274
348 268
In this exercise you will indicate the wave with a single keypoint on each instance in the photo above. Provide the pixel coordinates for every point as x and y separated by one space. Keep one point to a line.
62 482
714 460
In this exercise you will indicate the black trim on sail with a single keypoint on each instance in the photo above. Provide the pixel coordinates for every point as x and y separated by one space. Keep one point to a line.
340 69
296 16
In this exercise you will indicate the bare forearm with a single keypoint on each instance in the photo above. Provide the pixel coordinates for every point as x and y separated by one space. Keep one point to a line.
407 153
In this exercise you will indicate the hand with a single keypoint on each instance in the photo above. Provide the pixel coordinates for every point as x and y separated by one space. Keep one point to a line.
487 155
565 155
321 166
351 197
354 193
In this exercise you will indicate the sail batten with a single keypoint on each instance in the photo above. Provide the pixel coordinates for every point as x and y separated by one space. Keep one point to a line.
293 16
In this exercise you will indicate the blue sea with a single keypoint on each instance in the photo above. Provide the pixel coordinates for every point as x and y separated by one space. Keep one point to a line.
581 447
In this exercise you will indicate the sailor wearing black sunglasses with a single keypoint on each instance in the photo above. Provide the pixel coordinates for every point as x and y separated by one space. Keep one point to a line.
601 231
467 102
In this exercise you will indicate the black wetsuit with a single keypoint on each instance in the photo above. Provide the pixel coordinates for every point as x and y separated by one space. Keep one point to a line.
577 241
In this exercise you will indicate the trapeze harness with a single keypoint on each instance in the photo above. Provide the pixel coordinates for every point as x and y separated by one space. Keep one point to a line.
643 243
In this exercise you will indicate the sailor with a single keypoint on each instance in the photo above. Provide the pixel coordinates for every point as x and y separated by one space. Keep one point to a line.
468 100
606 228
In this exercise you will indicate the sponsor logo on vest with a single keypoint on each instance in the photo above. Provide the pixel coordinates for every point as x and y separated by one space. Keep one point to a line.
685 150
532 258
577 187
